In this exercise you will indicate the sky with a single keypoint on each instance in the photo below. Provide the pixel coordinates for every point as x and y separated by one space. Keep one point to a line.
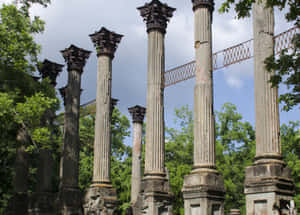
71 21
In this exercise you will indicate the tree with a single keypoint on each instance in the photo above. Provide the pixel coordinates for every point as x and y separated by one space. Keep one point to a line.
287 66
179 150
23 99
290 142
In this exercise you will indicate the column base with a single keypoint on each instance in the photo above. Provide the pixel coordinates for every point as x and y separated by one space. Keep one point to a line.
69 201
155 197
42 203
100 199
269 187
18 204
203 192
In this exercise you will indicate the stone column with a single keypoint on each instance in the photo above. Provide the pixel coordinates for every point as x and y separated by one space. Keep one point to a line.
42 200
19 202
268 182
203 189
101 197
156 193
137 113
70 195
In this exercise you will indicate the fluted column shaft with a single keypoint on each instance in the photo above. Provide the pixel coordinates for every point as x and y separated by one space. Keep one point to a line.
136 173
70 159
154 158
204 125
266 97
102 144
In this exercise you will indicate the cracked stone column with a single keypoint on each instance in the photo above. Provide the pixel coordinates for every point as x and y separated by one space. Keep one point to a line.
42 200
101 197
70 195
203 188
137 112
268 182
156 195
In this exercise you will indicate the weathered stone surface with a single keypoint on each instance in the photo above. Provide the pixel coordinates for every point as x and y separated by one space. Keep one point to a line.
156 15
75 57
268 182
203 193
106 42
50 70
266 97
42 203
101 197
69 195
203 3
69 201
155 197
269 177
100 200
137 113
203 189
19 203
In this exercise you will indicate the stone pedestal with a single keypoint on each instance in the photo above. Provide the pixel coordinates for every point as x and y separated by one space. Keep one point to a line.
203 193
203 189
155 197
268 187
268 183
70 197
101 197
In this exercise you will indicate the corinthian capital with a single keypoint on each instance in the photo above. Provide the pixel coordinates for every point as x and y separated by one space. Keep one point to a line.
106 42
156 15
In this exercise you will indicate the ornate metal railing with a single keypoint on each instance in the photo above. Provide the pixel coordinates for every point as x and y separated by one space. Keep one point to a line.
225 57
228 56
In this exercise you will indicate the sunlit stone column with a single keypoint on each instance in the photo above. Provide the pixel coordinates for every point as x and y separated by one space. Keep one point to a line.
137 113
101 196
268 182
42 201
156 15
70 195
203 189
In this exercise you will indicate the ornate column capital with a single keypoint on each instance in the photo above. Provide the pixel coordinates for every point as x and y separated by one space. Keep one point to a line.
156 15
113 103
138 113
106 42
51 70
210 4
75 58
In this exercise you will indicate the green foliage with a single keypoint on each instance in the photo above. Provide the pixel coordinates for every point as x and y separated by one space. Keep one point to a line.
179 149
290 141
235 151
23 100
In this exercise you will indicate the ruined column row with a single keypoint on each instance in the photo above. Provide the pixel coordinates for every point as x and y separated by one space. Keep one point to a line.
203 188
